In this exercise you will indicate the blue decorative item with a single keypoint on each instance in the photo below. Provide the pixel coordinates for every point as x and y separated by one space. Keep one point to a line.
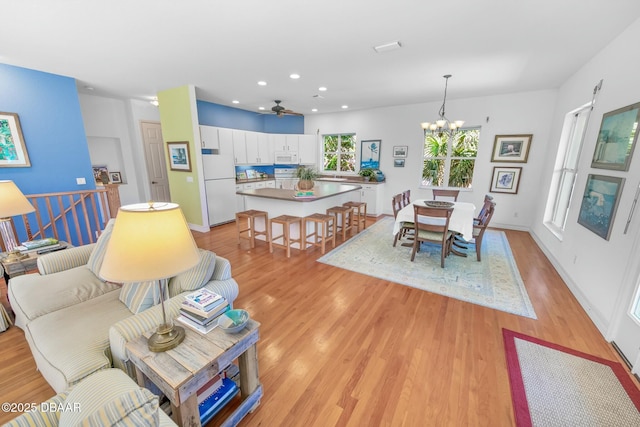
370 154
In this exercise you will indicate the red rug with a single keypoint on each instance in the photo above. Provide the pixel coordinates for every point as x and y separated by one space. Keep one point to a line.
554 385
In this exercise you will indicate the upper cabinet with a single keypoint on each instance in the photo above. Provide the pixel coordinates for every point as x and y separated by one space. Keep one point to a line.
209 137
307 149
258 148
283 142
225 138
239 146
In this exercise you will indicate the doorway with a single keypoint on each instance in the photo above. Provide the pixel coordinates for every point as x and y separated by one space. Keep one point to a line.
155 160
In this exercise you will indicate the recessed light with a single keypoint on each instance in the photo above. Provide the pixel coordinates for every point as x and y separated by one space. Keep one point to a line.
345 106
322 89
89 87
235 101
314 110
294 76
262 83
260 108
387 47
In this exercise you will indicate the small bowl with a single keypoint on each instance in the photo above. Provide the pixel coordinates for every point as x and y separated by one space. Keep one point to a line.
233 321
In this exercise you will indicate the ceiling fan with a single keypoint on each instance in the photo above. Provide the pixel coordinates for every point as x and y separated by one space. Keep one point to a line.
281 111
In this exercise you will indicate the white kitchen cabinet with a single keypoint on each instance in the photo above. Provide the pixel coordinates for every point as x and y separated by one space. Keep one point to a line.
308 149
261 184
258 149
239 198
271 184
292 142
225 139
239 146
372 195
283 142
209 137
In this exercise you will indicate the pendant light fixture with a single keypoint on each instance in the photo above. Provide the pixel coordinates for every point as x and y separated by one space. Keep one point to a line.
443 125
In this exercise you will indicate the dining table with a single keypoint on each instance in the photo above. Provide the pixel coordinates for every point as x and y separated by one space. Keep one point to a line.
461 220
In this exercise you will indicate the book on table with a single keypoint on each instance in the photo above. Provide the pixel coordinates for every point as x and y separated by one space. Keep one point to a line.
203 329
204 320
212 404
37 244
204 299
210 311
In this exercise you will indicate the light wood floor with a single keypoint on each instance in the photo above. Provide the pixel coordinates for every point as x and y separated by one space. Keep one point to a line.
341 348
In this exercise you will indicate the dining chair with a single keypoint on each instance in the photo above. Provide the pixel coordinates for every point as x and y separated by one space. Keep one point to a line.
446 194
485 205
481 227
406 198
406 226
428 230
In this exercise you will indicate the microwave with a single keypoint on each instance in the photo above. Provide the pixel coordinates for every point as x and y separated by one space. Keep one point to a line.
286 158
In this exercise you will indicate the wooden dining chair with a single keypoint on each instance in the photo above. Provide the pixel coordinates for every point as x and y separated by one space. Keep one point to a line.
481 227
427 231
406 198
439 194
485 205
406 226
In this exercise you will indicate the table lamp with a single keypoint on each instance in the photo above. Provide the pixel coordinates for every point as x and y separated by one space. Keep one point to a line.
151 242
12 203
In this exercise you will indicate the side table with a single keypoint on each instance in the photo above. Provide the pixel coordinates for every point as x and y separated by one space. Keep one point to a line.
180 372
22 266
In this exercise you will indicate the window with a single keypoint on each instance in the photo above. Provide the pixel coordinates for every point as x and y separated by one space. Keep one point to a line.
449 162
339 152
566 169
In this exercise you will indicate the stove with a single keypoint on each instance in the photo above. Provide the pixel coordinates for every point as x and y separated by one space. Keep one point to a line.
285 177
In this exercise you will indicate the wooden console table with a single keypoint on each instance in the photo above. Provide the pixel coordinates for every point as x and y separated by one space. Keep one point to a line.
22 266
180 372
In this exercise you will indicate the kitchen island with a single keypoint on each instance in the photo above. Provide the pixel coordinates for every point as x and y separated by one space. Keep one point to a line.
276 201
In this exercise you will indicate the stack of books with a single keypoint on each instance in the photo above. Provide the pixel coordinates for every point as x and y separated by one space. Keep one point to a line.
217 392
200 310
40 246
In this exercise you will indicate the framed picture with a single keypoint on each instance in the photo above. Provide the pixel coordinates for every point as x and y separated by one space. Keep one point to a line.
505 180
179 158
398 163
116 178
100 174
511 148
617 138
370 154
599 203
400 151
13 151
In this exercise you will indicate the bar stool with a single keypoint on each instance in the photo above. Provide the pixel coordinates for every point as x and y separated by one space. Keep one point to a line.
360 214
323 230
286 221
250 217
343 215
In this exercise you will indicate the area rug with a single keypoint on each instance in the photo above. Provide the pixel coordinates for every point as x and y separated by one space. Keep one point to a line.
553 385
494 282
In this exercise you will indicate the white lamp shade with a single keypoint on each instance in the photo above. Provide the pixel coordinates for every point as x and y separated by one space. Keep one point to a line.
12 201
149 241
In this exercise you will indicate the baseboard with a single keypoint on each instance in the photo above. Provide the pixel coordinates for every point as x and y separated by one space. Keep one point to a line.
596 317
200 228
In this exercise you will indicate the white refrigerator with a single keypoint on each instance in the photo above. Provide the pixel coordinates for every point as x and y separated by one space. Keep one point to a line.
220 185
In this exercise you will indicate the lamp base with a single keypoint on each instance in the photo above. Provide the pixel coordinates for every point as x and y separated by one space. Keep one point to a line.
166 338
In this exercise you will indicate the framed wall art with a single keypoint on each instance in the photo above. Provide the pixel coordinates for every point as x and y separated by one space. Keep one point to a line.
400 151
370 154
116 177
505 180
599 203
13 150
511 148
617 138
100 174
398 163
179 158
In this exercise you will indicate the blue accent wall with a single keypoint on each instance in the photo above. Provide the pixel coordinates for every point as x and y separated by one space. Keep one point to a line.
210 114
49 112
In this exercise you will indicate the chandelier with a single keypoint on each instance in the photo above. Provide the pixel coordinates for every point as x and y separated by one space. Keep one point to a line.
443 125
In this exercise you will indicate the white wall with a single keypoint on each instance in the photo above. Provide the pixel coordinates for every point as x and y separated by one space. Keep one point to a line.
595 268
529 112
116 121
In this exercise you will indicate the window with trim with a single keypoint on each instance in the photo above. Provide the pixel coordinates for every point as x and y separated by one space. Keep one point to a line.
339 152
449 161
566 168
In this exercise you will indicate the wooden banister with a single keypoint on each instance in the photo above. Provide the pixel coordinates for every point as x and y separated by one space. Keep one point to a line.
76 217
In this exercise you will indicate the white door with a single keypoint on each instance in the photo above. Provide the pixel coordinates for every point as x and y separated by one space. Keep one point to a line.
155 159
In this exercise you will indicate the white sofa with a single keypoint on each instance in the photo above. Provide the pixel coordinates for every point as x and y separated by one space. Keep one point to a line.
77 324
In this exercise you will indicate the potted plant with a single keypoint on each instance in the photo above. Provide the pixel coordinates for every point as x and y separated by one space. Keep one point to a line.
368 174
306 175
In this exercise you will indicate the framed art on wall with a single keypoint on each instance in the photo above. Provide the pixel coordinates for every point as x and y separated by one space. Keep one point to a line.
179 159
398 163
13 150
400 151
370 154
511 148
505 180
100 174
617 138
599 203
